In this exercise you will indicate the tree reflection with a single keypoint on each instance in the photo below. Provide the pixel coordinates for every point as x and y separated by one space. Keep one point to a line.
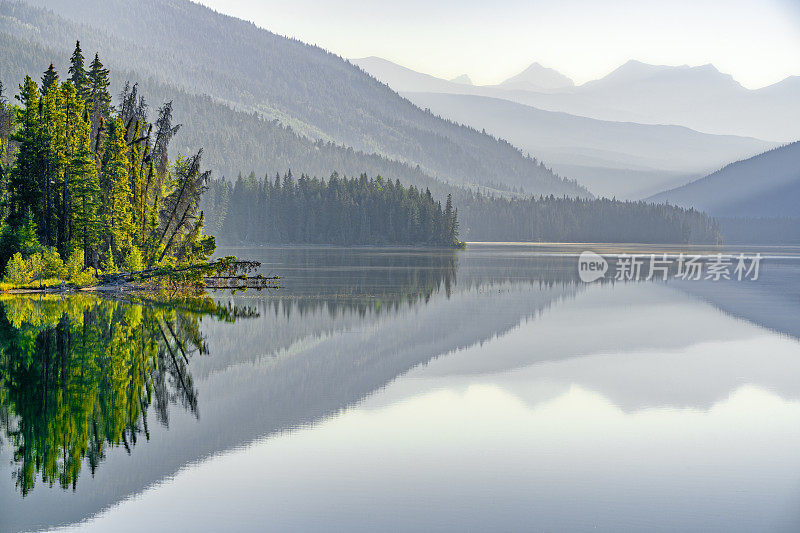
80 374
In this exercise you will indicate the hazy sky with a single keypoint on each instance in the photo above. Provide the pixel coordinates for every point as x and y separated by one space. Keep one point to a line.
757 41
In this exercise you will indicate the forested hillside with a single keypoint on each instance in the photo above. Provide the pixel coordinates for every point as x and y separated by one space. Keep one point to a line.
316 93
229 136
766 185
337 211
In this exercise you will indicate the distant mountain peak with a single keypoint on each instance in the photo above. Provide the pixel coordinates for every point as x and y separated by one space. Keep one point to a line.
463 80
634 70
538 78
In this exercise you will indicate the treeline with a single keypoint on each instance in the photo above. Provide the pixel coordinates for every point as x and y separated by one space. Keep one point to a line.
79 176
553 219
339 210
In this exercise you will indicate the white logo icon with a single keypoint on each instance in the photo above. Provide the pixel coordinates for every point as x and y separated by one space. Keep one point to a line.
591 267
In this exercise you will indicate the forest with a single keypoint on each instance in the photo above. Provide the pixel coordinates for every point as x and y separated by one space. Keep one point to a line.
340 210
86 186
366 211
553 219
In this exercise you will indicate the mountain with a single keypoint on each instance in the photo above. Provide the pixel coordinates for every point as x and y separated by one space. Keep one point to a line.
621 159
701 98
402 79
538 78
462 80
233 141
319 95
767 185
663 78
620 135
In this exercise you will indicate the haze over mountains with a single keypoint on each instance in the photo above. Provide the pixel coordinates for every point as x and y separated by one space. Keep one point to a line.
538 78
628 134
701 98
621 159
767 185
180 47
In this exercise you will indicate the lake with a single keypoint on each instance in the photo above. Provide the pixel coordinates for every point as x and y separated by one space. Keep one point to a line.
381 389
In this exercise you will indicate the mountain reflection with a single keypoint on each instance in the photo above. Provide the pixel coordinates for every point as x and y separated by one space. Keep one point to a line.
348 330
80 374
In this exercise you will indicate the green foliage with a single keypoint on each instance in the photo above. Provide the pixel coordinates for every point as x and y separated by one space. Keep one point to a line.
17 270
52 264
74 264
18 240
83 178
108 264
47 265
84 278
134 261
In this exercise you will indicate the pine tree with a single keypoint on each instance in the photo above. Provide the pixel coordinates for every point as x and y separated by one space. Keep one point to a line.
25 193
49 78
77 72
98 99
116 209
53 135
85 193
181 204
164 133
450 222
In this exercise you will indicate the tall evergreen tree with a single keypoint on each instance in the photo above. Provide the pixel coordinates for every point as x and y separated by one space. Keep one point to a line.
164 133
98 99
49 78
179 211
77 72
85 195
24 185
116 208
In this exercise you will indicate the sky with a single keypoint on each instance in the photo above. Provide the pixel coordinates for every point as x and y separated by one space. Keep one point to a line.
757 41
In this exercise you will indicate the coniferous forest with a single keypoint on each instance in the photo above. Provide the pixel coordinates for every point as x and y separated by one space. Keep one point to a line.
376 211
84 184
563 219
340 210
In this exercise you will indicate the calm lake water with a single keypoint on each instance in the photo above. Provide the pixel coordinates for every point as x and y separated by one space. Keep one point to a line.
410 390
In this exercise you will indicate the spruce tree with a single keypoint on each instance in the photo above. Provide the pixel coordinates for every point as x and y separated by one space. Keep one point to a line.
116 211
77 72
49 78
25 193
53 133
86 196
98 100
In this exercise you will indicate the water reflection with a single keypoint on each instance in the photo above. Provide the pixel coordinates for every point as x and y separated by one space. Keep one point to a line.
373 374
80 374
